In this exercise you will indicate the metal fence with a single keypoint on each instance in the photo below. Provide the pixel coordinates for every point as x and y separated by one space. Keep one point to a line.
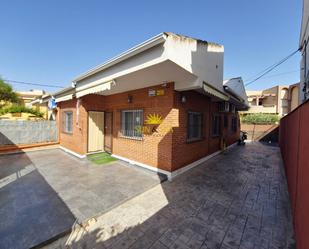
27 132
294 144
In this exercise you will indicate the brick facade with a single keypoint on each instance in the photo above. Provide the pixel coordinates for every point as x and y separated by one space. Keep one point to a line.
167 147
184 152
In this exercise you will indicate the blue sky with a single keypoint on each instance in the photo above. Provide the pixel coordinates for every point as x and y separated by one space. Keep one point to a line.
51 42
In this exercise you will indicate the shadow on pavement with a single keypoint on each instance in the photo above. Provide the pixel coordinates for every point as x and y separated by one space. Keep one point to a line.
31 211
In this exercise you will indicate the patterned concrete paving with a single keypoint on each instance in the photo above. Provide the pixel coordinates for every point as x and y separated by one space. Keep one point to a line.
236 200
44 193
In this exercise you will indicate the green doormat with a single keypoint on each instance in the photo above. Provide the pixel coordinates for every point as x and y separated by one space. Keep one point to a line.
101 158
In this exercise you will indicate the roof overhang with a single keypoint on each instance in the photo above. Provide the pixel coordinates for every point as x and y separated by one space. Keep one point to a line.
64 94
64 98
154 41
232 93
95 89
214 92
235 99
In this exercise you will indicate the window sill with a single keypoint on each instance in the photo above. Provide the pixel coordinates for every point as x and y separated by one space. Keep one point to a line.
132 138
193 140
67 133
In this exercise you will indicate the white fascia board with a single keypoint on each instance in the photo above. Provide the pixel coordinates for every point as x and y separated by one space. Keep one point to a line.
64 98
95 89
156 40
67 90
120 74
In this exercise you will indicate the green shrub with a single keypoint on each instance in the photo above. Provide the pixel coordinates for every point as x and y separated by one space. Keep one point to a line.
260 118
19 109
7 94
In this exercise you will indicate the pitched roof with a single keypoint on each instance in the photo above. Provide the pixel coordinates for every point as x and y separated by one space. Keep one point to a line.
237 87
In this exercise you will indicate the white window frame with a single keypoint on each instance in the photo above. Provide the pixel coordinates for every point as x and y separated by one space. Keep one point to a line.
67 124
133 133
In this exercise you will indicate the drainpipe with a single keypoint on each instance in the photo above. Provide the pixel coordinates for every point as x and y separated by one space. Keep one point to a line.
305 69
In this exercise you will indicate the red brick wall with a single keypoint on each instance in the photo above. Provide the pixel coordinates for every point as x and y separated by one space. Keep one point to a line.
294 144
154 149
187 152
77 141
166 149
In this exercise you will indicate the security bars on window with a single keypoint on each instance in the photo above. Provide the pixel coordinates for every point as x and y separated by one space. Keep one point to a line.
131 123
195 124
216 125
67 125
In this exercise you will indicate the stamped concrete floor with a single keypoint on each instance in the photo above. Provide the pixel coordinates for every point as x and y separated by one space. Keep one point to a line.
235 200
44 193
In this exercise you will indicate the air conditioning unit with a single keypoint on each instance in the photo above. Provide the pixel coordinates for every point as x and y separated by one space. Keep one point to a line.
224 106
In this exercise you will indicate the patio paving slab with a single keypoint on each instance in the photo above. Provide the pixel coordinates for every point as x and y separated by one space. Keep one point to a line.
44 193
236 200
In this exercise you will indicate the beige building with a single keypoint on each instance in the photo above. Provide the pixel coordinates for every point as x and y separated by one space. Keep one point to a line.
26 99
27 96
41 103
277 100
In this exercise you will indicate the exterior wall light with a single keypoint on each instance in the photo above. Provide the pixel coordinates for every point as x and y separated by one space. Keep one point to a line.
183 99
130 98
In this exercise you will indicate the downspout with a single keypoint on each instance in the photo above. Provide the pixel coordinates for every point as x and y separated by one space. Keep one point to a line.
305 69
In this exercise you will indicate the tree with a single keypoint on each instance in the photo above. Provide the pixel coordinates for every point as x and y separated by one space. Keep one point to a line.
7 94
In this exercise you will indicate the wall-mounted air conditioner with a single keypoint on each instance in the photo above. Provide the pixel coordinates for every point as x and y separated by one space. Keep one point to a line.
224 106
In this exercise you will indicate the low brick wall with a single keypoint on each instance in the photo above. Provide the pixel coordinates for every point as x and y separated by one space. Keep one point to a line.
257 132
27 132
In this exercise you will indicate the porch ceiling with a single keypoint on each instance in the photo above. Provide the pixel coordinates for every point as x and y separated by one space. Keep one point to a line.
163 72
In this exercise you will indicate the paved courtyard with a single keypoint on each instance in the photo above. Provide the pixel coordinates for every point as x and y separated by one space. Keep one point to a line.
44 193
235 200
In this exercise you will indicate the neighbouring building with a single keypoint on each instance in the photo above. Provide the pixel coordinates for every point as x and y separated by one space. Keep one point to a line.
275 100
161 105
28 96
26 99
304 49
42 104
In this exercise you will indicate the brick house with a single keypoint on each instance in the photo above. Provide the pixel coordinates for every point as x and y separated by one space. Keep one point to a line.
161 105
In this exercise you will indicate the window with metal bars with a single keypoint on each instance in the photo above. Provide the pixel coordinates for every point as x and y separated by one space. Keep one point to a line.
67 122
195 126
234 124
225 121
216 125
131 123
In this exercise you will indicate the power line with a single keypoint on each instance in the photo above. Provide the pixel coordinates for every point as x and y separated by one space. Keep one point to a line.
32 84
283 73
252 77
271 68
